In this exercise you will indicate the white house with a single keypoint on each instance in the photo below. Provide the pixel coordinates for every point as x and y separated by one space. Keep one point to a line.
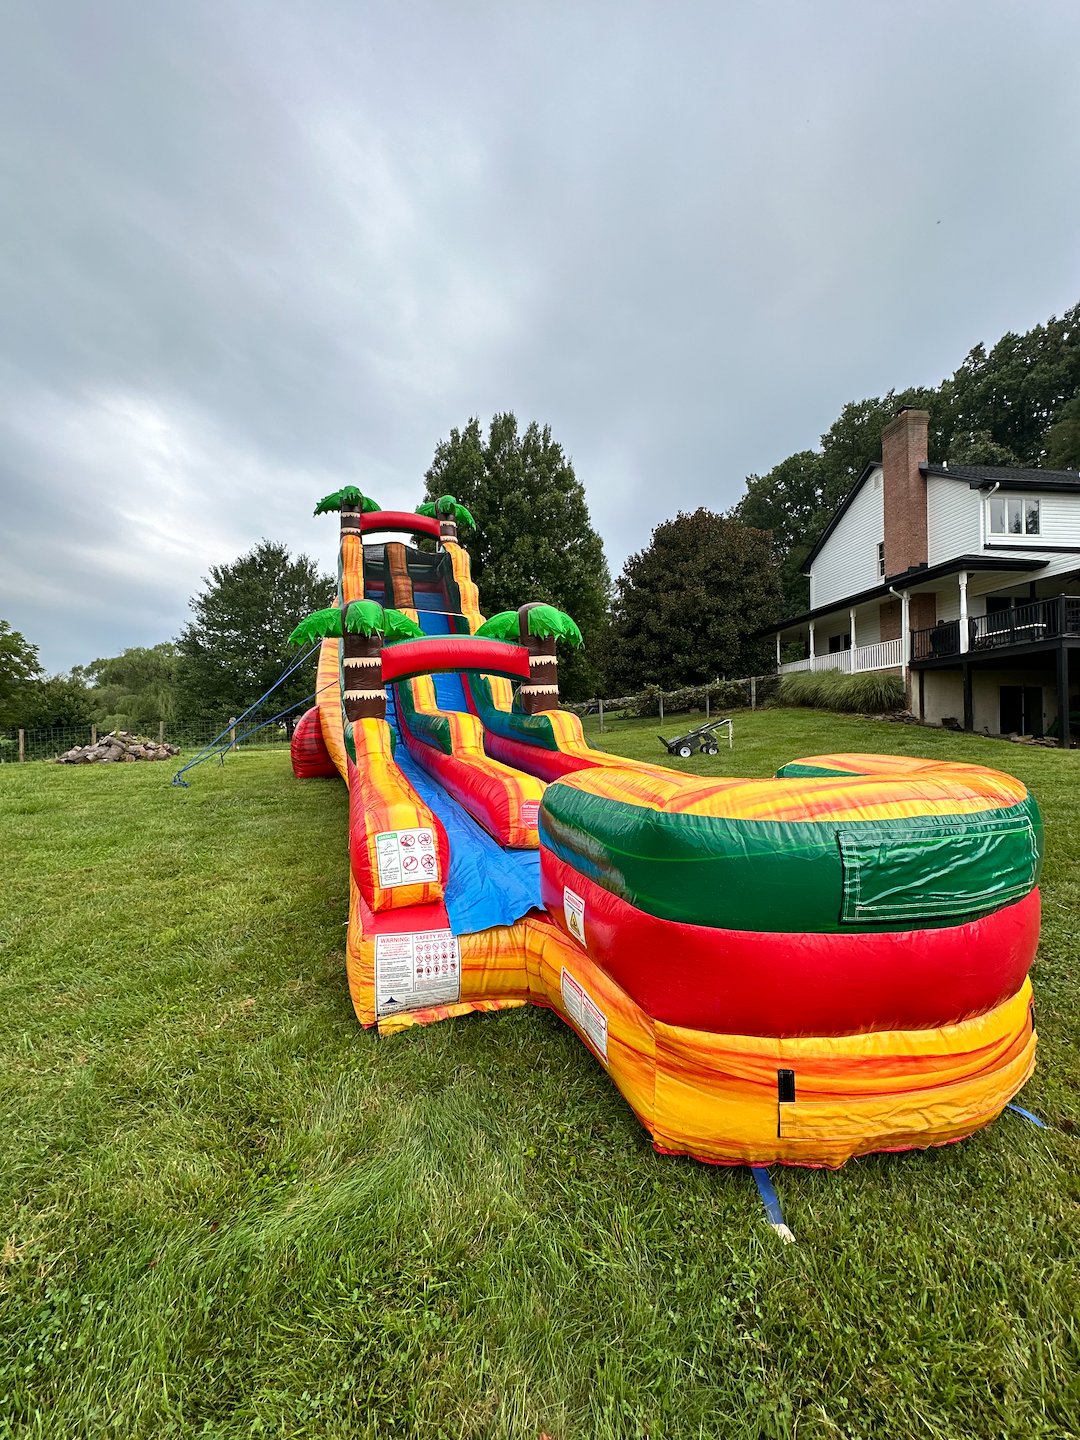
965 578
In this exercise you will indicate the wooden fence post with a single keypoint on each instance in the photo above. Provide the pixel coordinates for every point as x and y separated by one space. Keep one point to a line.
753 692
706 704
93 734
161 732
601 717
22 744
661 707
232 732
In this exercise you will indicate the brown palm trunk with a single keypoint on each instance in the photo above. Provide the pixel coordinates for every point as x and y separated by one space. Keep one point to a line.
362 690
399 587
447 530
541 690
350 521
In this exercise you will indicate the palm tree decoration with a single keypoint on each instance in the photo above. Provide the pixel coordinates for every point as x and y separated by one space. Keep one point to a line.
537 627
352 503
363 628
449 515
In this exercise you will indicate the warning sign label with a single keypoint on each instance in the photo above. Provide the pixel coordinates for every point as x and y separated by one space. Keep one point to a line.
529 813
584 1012
405 857
574 913
413 971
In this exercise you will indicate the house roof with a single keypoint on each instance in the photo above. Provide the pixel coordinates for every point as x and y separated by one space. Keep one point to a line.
917 575
1009 477
978 477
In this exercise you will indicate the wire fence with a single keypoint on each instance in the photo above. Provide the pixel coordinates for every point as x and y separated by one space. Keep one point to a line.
711 701
600 715
50 742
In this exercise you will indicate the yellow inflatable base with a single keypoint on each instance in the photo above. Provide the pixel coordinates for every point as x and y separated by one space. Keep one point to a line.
737 1099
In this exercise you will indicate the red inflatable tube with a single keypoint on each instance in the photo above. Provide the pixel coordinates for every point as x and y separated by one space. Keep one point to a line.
310 757
379 520
445 654
482 794
534 759
738 982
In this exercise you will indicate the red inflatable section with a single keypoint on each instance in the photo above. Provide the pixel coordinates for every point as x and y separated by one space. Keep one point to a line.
534 759
446 654
379 520
738 982
310 757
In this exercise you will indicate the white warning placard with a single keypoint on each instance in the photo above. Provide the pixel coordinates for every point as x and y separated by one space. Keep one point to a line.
413 971
574 913
406 857
530 812
585 1013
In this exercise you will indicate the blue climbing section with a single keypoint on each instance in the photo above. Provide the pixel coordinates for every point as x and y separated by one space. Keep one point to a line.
487 885
449 692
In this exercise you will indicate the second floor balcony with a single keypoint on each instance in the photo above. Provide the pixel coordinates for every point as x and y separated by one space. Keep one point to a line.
1034 623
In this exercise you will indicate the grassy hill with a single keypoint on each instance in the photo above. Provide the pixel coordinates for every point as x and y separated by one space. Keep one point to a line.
230 1212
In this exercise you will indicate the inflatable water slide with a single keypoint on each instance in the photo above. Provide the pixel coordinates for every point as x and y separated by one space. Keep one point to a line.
799 969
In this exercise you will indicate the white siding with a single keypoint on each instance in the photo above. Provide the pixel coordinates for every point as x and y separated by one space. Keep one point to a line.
952 519
848 562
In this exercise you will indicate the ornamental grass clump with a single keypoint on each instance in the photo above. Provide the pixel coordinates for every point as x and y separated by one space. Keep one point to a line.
874 692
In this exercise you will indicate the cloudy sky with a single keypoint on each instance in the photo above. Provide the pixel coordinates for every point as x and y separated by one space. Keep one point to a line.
252 250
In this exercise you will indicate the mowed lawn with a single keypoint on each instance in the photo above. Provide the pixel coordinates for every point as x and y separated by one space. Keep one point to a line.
228 1211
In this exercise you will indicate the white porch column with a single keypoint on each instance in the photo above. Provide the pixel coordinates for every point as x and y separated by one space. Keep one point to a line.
851 628
905 630
963 612
778 651
811 640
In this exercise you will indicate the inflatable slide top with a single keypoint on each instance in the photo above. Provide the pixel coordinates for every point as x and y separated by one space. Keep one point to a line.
804 968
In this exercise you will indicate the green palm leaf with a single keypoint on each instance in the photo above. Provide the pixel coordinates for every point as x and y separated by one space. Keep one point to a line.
364 617
399 627
348 495
546 623
503 626
447 507
317 626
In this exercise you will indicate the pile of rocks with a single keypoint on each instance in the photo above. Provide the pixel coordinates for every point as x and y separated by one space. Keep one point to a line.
118 745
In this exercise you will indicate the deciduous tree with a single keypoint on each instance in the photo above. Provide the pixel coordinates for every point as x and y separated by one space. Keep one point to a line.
237 645
19 668
534 538
689 604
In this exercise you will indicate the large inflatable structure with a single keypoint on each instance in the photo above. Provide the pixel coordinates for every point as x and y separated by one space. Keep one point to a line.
799 969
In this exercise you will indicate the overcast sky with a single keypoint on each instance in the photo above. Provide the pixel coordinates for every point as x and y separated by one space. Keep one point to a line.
252 251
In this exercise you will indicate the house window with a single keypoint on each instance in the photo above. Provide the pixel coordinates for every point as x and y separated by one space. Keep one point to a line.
1013 515
838 643
881 558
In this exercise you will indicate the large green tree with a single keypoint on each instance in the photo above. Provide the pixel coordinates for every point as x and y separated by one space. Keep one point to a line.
19 669
534 538
135 689
237 646
689 604
60 702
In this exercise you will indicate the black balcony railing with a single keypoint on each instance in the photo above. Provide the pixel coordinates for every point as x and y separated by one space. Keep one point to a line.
1019 625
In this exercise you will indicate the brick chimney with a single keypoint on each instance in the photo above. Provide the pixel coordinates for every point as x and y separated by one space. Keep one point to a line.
904 446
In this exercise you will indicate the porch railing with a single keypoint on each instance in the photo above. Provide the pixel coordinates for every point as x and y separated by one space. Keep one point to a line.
883 655
1019 625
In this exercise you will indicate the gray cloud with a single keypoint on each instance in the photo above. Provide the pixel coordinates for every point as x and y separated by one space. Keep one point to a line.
251 251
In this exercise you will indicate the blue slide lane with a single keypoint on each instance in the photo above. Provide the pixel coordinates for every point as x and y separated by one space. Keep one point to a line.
487 885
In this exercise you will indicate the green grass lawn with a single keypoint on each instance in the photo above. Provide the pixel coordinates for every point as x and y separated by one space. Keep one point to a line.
228 1211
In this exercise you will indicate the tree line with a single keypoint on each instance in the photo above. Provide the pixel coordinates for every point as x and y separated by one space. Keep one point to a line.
684 610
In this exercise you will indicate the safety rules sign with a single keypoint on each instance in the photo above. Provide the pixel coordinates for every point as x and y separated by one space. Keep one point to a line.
406 857
414 971
584 1012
